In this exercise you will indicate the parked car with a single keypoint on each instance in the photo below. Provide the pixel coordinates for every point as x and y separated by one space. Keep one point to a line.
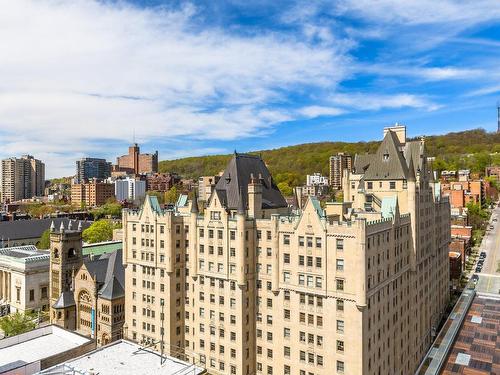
483 254
491 226
475 278
478 269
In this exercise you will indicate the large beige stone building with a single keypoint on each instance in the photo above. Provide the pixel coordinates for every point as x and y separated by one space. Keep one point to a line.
251 287
21 178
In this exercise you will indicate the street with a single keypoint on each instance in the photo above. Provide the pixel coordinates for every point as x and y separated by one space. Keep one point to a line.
491 244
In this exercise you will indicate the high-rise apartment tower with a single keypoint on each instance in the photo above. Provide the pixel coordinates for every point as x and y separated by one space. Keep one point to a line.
21 178
252 287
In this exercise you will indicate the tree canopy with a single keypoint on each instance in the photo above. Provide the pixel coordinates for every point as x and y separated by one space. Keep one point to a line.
100 231
472 149
17 323
44 240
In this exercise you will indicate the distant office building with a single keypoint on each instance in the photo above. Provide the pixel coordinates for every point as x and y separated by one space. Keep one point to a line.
161 181
206 185
92 168
463 175
21 178
338 164
316 179
129 189
137 163
92 194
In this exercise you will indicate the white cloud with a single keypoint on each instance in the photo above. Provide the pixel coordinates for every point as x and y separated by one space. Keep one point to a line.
316 111
362 101
422 12
76 71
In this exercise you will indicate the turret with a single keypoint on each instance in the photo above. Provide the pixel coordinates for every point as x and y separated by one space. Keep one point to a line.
240 245
193 239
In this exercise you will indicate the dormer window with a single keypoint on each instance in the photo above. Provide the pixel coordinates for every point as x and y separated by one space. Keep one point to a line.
386 155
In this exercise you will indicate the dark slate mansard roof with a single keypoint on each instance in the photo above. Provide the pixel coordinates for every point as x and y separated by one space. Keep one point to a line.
402 163
234 183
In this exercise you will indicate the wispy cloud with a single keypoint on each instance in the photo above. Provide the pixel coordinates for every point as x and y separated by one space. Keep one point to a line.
79 70
362 101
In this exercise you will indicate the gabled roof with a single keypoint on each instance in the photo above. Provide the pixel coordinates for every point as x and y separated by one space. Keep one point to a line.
237 176
388 163
152 200
66 299
106 268
112 289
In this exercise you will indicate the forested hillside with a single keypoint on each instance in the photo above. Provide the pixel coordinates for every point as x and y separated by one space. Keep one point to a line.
472 149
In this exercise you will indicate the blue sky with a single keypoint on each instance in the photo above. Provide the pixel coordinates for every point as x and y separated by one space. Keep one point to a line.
81 77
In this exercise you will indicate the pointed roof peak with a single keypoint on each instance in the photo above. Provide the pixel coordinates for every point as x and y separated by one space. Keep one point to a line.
61 228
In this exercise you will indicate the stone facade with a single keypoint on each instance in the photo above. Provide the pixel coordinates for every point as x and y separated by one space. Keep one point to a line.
252 287
86 292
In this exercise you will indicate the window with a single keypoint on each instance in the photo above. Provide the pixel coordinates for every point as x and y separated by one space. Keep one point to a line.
301 260
319 262
309 261
309 242
202 232
340 345
340 243
286 351
286 333
32 294
319 282
318 241
340 326
369 185
340 264
340 367
286 258
286 277
286 239
392 185
301 240
301 279
339 284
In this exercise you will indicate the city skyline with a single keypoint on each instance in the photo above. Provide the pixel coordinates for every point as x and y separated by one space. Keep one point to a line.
195 79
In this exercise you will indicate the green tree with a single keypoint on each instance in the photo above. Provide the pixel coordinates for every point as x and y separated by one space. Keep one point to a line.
158 194
285 189
109 209
99 231
172 195
44 240
17 323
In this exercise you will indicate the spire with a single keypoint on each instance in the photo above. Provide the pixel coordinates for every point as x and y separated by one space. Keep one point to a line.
52 226
241 205
194 203
80 226
61 228
70 225
411 170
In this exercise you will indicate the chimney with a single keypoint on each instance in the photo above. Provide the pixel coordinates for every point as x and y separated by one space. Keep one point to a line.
255 197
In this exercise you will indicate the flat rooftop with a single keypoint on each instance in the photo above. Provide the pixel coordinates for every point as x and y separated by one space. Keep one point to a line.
125 358
36 345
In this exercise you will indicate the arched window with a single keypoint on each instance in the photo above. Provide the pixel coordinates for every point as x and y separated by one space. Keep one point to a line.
71 253
56 253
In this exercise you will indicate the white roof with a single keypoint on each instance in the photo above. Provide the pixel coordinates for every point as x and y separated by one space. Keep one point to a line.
38 344
126 358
